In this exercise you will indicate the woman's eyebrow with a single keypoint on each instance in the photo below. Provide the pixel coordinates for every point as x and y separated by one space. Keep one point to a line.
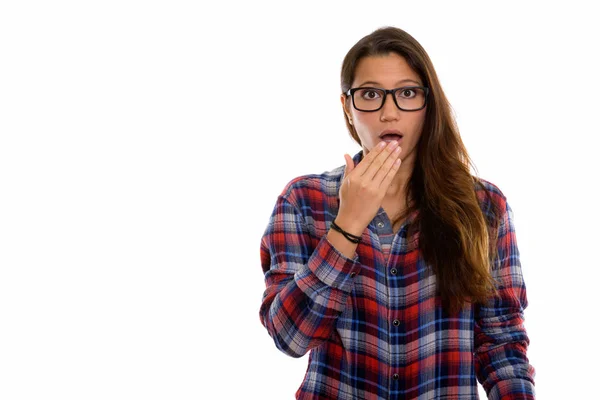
397 83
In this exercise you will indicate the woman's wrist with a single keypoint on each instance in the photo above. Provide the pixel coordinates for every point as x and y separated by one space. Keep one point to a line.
349 226
349 236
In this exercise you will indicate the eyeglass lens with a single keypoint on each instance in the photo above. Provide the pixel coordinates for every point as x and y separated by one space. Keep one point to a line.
368 99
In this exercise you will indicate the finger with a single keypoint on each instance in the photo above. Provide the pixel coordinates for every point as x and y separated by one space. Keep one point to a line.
387 179
368 159
386 166
378 162
349 165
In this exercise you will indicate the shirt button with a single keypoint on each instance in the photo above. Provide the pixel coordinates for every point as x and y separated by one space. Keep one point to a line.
380 224
396 322
352 274
396 377
393 271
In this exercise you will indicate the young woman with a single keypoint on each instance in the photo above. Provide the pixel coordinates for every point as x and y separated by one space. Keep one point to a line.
399 272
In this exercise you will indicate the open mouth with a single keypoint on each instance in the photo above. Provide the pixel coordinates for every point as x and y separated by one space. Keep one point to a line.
388 137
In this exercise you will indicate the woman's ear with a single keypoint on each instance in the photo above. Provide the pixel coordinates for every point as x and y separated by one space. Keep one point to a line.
345 103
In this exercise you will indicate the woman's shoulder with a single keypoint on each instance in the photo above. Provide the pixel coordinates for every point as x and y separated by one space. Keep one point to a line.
324 184
327 182
489 194
483 184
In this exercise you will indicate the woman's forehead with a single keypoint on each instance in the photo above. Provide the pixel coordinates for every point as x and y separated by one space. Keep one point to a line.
391 69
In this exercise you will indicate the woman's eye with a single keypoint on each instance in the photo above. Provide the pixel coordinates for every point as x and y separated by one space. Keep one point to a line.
370 95
408 93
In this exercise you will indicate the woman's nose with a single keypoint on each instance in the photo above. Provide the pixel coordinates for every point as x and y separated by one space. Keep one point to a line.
389 111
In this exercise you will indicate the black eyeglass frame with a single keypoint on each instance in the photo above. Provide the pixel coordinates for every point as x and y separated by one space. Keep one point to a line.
351 92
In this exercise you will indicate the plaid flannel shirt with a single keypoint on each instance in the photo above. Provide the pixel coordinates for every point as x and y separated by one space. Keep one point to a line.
373 324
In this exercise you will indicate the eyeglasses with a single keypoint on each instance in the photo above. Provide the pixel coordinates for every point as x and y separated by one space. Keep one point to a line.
407 98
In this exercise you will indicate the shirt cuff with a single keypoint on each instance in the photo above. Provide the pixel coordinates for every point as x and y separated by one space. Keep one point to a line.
512 389
333 268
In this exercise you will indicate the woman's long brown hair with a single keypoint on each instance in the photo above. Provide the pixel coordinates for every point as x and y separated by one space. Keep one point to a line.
455 237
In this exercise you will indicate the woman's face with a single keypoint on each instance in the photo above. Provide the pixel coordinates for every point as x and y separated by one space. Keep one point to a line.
387 72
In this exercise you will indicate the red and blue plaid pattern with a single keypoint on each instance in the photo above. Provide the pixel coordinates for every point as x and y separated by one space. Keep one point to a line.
374 334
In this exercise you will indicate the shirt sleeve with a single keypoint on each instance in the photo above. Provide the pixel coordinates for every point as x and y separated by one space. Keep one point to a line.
501 340
306 285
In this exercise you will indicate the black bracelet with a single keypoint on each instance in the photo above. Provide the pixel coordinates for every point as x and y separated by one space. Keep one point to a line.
349 236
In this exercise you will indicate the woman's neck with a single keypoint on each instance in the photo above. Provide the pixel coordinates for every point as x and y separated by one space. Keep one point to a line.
397 189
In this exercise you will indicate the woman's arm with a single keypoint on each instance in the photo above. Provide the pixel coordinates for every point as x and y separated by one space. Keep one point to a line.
501 340
306 287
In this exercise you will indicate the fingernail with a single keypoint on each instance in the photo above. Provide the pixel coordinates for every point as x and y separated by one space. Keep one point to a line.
381 145
397 149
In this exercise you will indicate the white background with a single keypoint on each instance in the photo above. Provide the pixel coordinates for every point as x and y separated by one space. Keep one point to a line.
143 145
